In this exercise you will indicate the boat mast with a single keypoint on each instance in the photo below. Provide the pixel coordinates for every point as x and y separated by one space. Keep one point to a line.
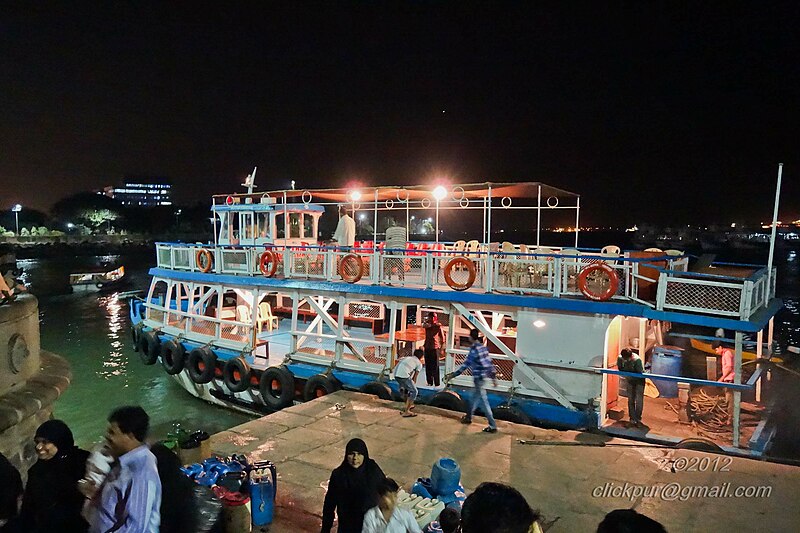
774 230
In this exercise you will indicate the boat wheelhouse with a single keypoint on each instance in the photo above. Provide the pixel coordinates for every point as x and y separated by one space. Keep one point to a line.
267 314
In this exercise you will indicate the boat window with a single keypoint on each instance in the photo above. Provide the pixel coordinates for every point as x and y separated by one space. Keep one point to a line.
294 225
308 226
248 226
263 225
280 221
229 228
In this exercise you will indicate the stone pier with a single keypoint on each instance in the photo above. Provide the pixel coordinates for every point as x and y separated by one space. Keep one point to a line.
573 478
31 380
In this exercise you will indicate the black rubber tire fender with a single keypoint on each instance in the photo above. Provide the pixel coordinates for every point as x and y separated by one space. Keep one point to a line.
319 385
201 365
448 399
233 367
377 388
149 347
173 357
699 444
511 413
277 387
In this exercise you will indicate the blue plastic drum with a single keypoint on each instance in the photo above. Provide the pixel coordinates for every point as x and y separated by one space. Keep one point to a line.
666 364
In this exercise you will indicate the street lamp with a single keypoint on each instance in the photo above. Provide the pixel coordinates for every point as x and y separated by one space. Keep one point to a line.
16 209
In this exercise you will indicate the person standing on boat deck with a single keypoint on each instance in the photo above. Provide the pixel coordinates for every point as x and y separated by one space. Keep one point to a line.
129 499
396 243
345 234
434 340
480 366
352 489
728 374
630 362
405 373
52 501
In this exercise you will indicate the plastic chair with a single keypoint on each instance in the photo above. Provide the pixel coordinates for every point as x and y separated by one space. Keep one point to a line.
611 249
265 315
459 246
471 248
571 261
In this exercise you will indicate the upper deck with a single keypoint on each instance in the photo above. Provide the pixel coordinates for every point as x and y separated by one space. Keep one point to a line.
658 281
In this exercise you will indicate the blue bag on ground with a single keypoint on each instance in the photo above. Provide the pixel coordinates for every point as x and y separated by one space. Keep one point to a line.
445 476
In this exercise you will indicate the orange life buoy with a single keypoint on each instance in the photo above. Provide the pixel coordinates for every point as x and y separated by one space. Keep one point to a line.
351 268
462 263
204 266
613 282
268 263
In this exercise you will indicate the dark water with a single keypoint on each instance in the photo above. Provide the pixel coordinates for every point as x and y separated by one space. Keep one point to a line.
92 332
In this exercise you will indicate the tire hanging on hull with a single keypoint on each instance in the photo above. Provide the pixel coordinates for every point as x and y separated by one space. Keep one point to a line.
277 387
201 365
149 347
173 357
236 375
319 386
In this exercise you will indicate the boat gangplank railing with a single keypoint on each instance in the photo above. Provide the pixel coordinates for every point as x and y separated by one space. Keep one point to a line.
545 274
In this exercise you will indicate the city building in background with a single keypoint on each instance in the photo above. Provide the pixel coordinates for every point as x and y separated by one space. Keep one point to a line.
142 191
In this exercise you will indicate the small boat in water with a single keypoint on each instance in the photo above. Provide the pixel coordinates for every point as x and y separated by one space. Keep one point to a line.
98 280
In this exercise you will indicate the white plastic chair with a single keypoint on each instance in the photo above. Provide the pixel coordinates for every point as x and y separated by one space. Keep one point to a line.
265 316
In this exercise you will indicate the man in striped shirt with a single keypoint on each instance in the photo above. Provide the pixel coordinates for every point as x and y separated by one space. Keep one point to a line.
129 500
480 366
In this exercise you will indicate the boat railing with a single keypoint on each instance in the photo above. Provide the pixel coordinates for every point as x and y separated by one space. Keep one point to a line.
662 282
225 331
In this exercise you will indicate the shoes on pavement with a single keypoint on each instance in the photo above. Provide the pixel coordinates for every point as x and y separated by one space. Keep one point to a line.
466 419
489 429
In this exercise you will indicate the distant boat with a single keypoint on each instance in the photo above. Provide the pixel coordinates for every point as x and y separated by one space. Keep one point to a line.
97 281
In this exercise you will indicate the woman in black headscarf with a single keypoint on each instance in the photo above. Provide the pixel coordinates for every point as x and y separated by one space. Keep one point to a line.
52 501
352 489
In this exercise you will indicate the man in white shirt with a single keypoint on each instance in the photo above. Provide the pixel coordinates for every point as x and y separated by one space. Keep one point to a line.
387 516
405 373
345 233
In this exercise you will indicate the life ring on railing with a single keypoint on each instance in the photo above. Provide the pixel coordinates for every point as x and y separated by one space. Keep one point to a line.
268 263
351 268
229 200
204 259
462 263
613 282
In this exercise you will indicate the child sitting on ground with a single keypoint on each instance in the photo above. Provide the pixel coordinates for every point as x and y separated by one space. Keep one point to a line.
405 373
387 516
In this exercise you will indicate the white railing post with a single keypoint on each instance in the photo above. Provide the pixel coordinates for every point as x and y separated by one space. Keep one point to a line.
488 271
744 300
661 291
558 266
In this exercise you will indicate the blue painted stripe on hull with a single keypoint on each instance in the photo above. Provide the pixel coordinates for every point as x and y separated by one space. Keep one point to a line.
758 322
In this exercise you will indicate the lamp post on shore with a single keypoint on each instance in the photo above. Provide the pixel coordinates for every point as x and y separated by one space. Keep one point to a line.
16 209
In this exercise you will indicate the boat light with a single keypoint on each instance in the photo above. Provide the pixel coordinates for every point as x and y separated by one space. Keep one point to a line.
539 323
355 196
439 193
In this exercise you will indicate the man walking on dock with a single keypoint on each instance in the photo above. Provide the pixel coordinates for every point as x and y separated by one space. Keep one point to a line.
480 366
629 362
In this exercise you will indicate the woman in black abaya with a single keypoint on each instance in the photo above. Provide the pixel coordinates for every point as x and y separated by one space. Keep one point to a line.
52 501
352 489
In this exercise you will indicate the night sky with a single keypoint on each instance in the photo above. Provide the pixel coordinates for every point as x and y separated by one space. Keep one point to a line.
666 114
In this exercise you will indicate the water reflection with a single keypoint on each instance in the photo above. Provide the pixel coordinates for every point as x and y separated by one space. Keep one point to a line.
115 363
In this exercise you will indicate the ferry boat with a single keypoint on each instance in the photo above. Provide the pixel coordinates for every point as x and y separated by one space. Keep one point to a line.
97 280
265 314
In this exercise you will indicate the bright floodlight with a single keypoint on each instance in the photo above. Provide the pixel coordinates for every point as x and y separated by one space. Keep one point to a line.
439 193
70 225
362 216
355 196
539 323
17 208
